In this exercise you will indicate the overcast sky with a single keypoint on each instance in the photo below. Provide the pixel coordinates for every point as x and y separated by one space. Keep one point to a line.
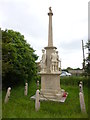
70 25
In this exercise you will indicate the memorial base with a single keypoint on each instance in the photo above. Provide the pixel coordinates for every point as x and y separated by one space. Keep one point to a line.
50 87
50 98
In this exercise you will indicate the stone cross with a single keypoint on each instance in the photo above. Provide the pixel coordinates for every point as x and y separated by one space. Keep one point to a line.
26 89
82 102
37 100
7 95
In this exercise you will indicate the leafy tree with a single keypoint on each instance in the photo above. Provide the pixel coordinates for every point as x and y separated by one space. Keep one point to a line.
69 68
18 59
87 67
77 69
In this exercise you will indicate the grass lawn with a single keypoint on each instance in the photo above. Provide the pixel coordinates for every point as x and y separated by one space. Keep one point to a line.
20 106
0 105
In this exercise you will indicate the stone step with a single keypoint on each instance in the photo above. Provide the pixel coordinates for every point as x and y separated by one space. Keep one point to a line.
48 96
62 99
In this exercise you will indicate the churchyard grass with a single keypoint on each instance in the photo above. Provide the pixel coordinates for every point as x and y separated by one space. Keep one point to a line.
0 104
20 106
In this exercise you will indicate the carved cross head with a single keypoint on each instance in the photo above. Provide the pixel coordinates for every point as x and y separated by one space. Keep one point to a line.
50 9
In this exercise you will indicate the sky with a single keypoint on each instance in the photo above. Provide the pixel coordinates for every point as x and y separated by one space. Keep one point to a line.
70 26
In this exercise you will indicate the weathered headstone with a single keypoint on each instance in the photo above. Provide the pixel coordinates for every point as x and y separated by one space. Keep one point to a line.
37 100
26 89
81 97
7 95
82 102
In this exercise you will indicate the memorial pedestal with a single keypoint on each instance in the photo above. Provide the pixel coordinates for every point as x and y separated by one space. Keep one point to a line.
50 88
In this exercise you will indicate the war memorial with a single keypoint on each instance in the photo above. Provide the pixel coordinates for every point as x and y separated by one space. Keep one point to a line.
50 74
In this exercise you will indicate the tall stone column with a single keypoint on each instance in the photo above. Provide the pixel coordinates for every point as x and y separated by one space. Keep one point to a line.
50 34
50 82
50 47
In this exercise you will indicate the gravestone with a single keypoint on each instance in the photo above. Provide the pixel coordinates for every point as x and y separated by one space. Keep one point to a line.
50 74
37 101
81 97
26 89
82 102
7 95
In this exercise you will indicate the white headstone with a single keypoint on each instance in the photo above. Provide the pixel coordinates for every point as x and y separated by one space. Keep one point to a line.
7 95
37 101
26 89
82 103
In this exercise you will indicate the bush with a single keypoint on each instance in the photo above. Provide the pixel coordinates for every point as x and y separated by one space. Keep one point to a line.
74 80
18 59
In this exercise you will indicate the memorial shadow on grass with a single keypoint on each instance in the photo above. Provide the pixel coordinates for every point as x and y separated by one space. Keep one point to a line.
20 106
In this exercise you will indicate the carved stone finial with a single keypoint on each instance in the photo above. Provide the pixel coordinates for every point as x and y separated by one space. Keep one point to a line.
50 9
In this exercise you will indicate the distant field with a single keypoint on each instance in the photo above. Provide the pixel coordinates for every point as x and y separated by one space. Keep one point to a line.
20 106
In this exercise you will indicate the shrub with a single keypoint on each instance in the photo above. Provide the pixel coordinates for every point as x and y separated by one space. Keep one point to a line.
74 80
18 59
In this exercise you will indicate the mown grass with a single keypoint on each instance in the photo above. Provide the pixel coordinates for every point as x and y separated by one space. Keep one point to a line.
20 106
0 104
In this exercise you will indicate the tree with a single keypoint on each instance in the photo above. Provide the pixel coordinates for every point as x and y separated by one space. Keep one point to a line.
18 59
87 67
69 68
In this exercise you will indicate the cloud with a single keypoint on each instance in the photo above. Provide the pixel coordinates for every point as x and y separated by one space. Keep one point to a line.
70 25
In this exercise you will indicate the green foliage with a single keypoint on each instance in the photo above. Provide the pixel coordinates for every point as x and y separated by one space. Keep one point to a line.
87 67
24 107
18 59
74 80
69 68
